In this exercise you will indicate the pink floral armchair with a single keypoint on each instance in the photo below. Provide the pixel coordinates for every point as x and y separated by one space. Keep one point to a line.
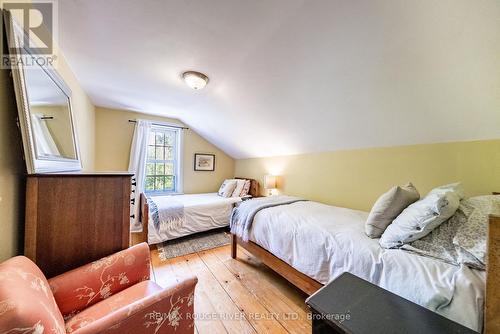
111 295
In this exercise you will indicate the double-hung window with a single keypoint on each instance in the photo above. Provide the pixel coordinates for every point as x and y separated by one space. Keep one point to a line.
163 170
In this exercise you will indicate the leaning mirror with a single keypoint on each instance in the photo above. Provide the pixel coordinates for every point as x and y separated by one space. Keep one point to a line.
44 106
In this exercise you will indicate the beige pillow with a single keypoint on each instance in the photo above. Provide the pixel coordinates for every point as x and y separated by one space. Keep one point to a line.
388 207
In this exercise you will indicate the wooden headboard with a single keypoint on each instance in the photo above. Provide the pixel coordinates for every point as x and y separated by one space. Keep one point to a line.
254 186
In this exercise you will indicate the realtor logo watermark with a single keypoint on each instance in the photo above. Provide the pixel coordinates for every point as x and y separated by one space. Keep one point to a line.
35 28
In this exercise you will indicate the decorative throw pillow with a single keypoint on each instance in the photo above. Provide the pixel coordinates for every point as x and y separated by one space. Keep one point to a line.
463 238
246 188
227 188
472 234
388 207
239 187
421 217
439 243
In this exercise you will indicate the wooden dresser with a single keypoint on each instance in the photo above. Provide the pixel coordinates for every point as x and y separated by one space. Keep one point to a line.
73 219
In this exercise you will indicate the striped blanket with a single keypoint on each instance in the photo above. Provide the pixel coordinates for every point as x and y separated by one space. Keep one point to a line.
166 212
243 215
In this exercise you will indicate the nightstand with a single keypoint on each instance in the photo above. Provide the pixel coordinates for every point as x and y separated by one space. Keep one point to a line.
352 305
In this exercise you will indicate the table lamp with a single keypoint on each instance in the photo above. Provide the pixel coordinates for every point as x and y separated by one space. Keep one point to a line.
270 183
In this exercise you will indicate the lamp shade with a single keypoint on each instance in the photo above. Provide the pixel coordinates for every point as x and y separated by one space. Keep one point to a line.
270 182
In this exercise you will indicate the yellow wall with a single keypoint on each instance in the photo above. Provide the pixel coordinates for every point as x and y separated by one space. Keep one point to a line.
12 170
114 137
356 178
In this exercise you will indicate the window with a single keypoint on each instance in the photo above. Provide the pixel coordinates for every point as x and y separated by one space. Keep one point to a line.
162 160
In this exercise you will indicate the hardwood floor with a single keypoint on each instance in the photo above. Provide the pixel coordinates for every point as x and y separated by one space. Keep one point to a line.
236 296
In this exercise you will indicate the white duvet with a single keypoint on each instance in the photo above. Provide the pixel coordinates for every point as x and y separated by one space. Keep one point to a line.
323 241
202 212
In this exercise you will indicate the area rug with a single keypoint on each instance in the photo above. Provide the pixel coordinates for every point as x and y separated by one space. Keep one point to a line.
193 243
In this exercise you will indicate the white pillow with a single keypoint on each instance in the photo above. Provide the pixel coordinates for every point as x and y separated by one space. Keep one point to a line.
453 187
239 187
227 188
421 217
472 235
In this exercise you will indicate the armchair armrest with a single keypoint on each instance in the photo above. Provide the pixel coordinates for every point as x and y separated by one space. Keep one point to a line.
167 311
79 288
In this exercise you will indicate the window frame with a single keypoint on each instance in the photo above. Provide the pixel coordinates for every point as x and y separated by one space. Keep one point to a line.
177 160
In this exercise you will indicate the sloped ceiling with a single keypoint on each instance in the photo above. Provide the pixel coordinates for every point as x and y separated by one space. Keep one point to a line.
295 76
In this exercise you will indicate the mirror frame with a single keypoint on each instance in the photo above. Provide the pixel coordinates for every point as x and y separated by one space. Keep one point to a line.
35 164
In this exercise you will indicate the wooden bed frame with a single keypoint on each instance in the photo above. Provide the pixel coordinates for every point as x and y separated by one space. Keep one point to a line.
309 285
144 206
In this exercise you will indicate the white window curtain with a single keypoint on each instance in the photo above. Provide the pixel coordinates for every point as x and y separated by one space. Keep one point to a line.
44 142
137 166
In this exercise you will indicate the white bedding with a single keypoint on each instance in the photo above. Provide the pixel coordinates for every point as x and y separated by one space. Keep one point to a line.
202 212
323 241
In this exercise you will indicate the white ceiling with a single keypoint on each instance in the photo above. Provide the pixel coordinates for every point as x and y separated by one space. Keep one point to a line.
295 76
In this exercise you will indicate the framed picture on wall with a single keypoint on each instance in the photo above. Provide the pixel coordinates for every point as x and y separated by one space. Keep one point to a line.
204 162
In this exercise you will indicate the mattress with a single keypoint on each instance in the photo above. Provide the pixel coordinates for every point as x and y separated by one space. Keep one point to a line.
202 212
323 241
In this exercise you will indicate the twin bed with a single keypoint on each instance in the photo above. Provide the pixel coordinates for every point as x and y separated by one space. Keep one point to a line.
200 212
310 243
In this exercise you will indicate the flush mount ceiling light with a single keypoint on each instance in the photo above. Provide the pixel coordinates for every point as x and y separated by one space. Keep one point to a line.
195 80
